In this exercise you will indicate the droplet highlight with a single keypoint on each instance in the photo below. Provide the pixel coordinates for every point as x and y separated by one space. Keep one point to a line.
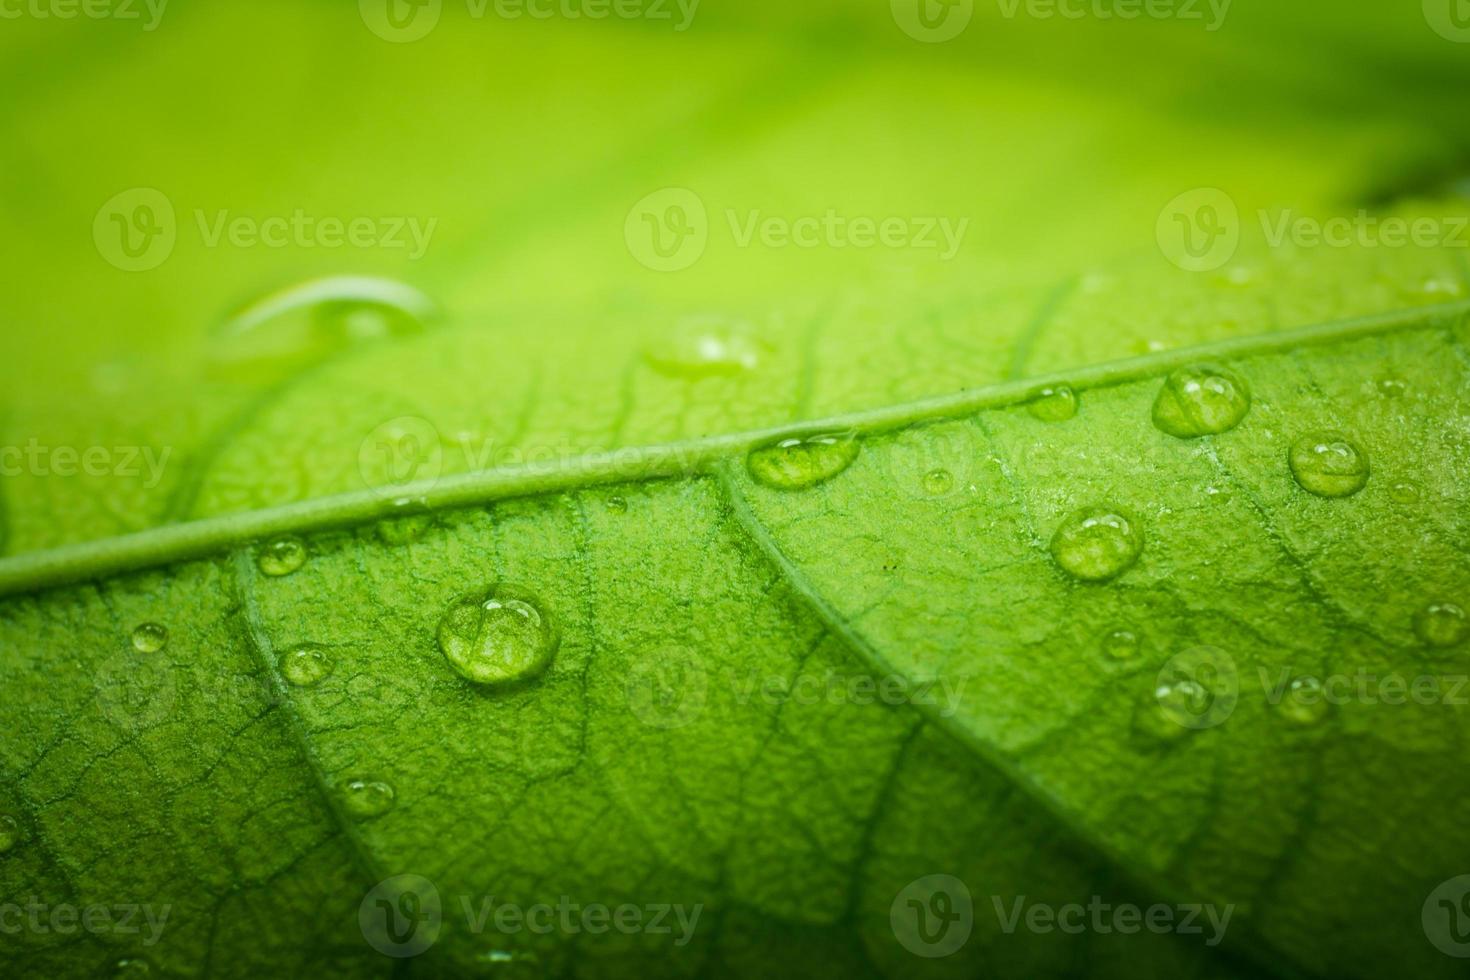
1097 544
1120 644
1441 624
1305 702
149 638
282 556
1201 400
937 483
1328 465
306 666
501 638
132 968
704 347
796 464
367 798
1054 404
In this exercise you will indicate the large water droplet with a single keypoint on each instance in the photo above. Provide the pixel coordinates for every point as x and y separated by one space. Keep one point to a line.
301 324
500 638
282 556
10 833
1305 702
1201 400
796 464
1328 465
701 347
149 638
366 798
1441 624
306 666
1053 404
1097 544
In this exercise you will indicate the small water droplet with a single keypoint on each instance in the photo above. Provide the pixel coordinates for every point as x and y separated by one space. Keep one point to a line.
796 464
282 556
366 798
306 666
1305 702
132 968
403 530
149 638
1441 624
1097 544
10 833
1404 492
617 505
1054 404
702 347
1171 710
937 483
1392 387
1201 400
1328 465
499 638
1121 644
1441 287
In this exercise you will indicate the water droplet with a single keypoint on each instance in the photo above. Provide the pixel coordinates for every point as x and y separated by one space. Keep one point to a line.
132 968
1121 644
1441 287
282 556
10 833
1404 492
1171 710
308 321
499 638
1054 404
1393 387
1328 465
1441 624
1097 544
367 798
149 638
1201 400
702 347
403 530
617 505
796 464
937 483
306 666
1305 702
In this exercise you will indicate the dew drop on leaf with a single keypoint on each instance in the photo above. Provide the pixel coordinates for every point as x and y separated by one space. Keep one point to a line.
1054 404
500 638
937 483
1096 544
1441 624
9 833
1172 710
1404 492
149 638
1305 702
1120 644
1201 400
617 505
367 798
1328 465
703 347
282 556
306 666
796 464
403 530
131 968
1392 387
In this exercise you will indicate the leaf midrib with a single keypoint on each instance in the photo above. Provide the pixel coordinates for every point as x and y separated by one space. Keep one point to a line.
166 545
